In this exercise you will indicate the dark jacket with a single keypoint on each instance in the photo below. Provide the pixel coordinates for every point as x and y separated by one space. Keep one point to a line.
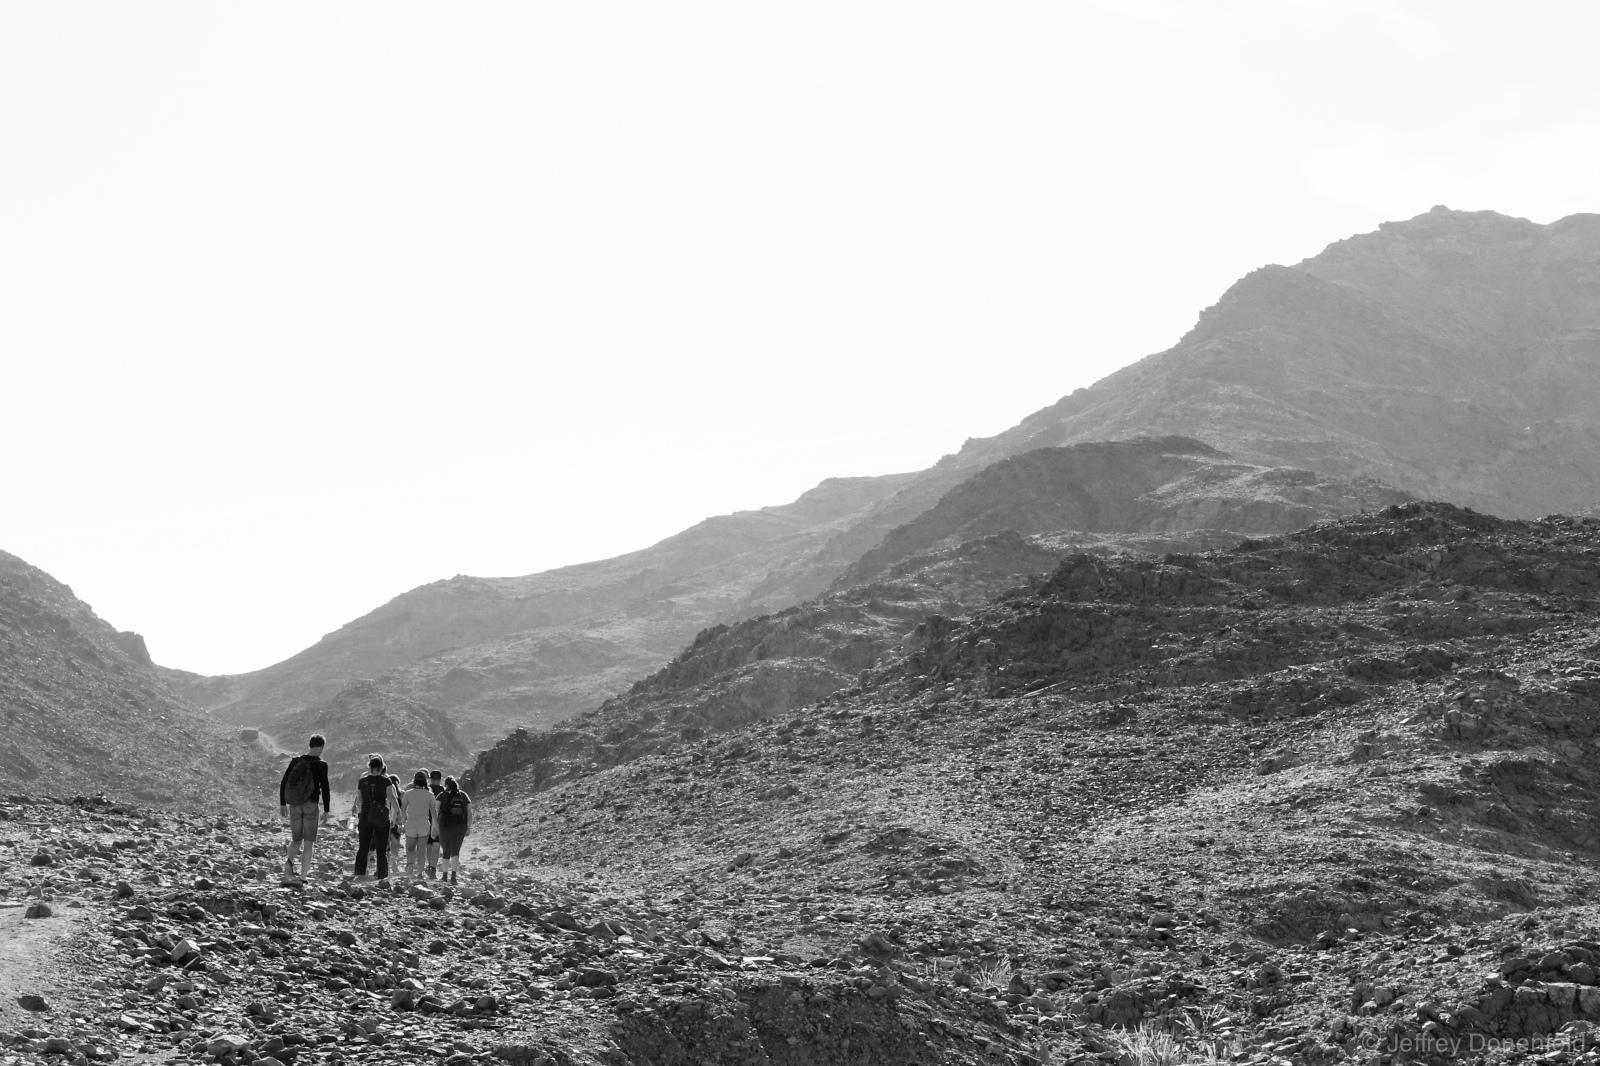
319 774
391 798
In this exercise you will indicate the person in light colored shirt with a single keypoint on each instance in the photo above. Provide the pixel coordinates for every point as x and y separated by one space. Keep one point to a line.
419 819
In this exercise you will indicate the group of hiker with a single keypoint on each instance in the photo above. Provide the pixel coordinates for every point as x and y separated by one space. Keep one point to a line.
429 819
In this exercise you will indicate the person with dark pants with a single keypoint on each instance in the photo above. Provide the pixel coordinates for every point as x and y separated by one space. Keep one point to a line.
455 822
377 808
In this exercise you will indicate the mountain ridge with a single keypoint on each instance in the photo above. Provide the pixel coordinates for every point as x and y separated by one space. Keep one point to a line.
1468 331
1451 355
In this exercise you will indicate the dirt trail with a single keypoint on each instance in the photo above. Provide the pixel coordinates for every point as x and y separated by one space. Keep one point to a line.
33 955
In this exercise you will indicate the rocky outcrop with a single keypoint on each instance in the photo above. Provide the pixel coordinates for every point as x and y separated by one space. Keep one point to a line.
133 645
1143 485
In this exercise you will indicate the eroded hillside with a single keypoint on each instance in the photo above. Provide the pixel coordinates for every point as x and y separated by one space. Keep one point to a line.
1306 799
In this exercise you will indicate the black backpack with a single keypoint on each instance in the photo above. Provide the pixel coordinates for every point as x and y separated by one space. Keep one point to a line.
301 784
375 794
453 808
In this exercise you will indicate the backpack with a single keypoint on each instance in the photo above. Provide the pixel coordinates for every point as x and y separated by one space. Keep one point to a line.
301 784
375 793
453 808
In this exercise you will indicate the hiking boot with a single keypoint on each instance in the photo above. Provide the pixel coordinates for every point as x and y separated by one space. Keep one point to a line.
288 869
452 877
432 875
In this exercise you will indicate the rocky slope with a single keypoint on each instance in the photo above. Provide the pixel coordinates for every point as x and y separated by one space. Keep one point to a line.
1453 355
730 676
1311 799
84 709
1146 485
1128 495
489 652
366 718
143 949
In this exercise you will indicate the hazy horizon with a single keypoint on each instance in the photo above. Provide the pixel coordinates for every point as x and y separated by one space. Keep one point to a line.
310 307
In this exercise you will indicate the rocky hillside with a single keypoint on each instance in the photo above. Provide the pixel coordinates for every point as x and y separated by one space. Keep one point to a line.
128 944
1309 799
731 676
1127 495
1455 355
547 673
366 718
85 711
489 652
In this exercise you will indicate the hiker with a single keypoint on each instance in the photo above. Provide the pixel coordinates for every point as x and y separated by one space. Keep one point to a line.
304 780
436 785
396 840
455 822
377 807
419 814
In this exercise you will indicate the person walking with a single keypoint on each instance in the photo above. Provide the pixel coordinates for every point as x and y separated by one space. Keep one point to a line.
419 812
377 808
305 781
455 822
396 836
436 785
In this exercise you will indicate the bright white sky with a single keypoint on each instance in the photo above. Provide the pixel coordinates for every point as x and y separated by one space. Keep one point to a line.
302 305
